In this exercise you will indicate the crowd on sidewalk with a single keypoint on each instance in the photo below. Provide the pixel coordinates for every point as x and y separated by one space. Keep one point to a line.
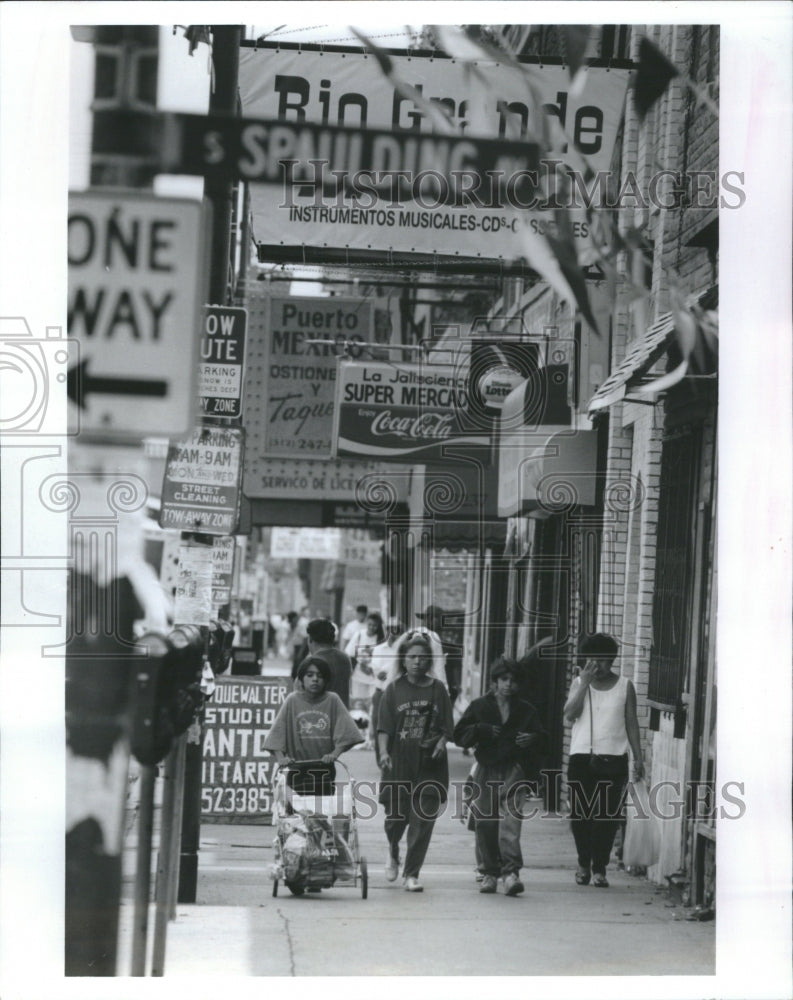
391 689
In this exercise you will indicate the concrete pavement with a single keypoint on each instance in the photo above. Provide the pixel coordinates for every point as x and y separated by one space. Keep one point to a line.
555 928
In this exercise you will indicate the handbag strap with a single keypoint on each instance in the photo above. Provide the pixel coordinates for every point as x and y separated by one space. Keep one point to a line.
591 725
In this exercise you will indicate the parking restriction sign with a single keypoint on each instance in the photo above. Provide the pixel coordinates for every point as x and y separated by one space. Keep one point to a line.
222 360
201 486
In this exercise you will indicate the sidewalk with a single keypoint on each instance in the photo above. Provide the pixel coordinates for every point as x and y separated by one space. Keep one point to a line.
554 928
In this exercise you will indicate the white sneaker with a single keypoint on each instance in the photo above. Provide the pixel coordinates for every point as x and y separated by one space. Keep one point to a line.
512 885
391 868
412 884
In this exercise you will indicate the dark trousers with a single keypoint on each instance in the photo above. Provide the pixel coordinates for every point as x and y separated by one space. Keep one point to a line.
377 696
595 806
401 815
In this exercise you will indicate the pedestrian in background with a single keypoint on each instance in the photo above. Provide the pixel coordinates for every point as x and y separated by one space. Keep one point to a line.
414 725
384 669
321 639
359 649
353 625
432 618
295 640
506 733
602 707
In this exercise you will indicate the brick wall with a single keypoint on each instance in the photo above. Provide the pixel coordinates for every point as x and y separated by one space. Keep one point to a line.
679 135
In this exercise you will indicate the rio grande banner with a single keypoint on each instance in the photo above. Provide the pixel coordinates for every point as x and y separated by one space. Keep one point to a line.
409 201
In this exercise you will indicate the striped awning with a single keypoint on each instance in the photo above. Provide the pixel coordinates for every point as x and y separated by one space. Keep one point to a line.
641 357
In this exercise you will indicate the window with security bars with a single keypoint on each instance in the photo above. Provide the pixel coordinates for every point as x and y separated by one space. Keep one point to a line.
674 567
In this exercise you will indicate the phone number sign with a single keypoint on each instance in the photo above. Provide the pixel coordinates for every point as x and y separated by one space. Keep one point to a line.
236 770
201 487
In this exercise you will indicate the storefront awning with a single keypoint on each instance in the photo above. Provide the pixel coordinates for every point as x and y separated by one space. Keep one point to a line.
632 375
469 536
641 357
547 474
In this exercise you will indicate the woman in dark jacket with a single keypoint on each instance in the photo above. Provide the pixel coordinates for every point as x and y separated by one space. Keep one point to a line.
506 733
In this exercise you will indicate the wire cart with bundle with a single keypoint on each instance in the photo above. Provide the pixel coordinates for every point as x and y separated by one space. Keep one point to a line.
316 831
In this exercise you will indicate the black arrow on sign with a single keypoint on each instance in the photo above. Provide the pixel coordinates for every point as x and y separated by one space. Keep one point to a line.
79 385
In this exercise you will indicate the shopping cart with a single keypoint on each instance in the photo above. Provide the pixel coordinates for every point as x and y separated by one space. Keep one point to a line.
316 835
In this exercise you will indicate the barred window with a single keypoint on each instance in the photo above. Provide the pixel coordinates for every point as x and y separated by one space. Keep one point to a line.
674 569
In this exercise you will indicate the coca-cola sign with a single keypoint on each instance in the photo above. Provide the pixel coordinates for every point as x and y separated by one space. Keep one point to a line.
402 411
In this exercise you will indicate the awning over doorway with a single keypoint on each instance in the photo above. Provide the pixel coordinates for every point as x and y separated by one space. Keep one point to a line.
548 474
641 357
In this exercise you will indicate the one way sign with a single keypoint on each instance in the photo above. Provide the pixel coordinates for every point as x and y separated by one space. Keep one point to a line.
137 283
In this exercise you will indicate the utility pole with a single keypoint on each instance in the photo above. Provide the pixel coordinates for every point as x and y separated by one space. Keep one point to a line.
226 40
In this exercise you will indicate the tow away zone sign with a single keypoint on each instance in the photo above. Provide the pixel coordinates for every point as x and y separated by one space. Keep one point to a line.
201 488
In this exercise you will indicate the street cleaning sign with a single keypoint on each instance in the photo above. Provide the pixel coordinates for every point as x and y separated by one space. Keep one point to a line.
137 279
222 361
402 412
201 486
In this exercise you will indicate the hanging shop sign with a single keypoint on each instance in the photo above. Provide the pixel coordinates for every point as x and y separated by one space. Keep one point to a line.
222 360
236 770
305 543
402 411
201 486
193 594
137 277
427 195
338 481
290 384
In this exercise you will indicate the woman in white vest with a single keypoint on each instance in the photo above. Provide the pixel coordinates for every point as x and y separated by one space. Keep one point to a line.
602 707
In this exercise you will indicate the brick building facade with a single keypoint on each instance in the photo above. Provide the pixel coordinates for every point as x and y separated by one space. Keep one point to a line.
652 526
